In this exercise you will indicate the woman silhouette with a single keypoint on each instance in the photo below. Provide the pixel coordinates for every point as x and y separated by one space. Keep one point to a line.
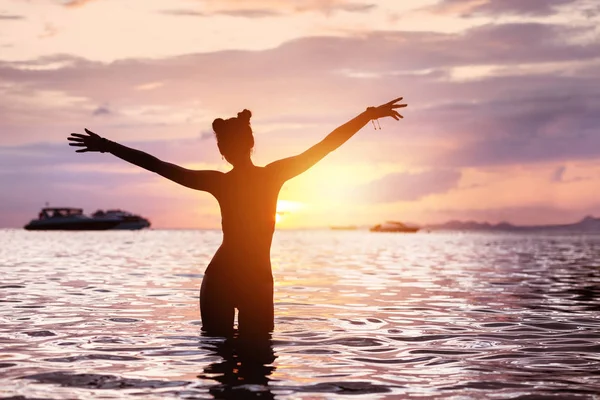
239 275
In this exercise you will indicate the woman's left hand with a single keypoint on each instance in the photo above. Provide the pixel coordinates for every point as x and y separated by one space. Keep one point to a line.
386 110
89 142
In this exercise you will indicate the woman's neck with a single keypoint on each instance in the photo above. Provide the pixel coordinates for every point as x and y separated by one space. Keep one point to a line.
245 164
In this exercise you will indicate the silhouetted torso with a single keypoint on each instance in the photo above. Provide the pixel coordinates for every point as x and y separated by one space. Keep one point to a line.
248 200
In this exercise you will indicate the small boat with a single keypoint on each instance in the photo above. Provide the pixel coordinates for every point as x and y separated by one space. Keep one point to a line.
393 226
73 219
343 227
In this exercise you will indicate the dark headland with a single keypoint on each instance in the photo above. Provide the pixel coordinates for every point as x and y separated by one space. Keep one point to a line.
587 224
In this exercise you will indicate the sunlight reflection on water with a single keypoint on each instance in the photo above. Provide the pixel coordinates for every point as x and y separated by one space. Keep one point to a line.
115 314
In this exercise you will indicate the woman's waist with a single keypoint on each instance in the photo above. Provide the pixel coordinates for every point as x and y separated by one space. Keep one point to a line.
254 246
236 255
241 272
248 228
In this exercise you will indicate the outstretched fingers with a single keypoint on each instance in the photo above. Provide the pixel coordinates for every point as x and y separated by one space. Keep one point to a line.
76 141
91 133
79 140
395 115
389 103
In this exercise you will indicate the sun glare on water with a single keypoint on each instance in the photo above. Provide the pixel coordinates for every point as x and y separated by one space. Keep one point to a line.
284 208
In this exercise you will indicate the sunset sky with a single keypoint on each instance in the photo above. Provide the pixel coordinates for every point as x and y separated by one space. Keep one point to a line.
503 120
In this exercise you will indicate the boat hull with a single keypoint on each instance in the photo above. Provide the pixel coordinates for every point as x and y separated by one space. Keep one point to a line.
131 226
72 226
406 230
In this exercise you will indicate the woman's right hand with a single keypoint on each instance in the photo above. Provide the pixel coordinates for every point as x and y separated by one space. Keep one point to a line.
89 142
386 110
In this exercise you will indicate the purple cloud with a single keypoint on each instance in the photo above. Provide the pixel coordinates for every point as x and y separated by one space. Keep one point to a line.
305 76
182 12
556 125
558 174
10 17
378 53
467 8
102 110
39 156
409 186
262 8
249 13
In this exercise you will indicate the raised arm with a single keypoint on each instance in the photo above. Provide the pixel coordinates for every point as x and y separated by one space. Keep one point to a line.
199 180
290 167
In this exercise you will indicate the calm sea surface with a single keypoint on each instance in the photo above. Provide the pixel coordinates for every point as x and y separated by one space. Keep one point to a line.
358 314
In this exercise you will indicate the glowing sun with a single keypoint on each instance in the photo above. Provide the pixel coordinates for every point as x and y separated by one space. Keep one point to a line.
286 207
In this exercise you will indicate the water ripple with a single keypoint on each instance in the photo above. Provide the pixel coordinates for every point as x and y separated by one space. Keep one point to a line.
382 316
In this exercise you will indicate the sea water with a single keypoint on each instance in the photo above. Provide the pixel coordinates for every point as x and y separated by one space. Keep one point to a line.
90 315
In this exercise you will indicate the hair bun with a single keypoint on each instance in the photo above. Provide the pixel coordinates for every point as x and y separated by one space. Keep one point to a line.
245 116
218 125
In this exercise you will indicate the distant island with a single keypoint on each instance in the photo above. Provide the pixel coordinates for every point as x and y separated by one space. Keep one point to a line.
587 224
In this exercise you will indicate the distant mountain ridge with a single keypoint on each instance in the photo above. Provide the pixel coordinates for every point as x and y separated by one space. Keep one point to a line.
587 224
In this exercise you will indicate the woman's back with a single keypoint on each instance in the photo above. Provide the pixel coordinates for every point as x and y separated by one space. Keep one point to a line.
248 200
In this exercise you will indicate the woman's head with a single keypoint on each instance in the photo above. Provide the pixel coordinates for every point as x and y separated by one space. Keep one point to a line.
234 137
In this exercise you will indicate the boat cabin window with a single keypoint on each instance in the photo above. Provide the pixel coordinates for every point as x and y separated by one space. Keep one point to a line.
60 212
